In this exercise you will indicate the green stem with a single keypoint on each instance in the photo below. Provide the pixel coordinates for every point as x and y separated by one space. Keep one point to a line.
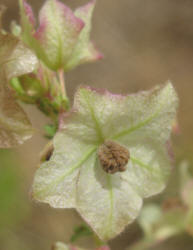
62 82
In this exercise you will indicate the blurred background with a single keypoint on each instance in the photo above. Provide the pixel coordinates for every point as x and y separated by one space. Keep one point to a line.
144 43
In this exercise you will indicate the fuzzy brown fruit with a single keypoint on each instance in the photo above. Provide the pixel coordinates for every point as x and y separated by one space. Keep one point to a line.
113 157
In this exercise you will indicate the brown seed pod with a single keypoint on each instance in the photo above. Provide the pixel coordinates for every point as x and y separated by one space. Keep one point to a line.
113 157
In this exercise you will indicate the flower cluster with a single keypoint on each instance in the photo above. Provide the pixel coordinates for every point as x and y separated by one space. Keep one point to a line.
62 39
110 151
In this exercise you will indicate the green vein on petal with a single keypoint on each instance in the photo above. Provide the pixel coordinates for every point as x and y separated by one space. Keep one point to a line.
109 203
109 183
97 125
76 166
136 127
143 165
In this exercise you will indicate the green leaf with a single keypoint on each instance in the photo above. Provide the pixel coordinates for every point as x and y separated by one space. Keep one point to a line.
74 176
28 88
15 127
81 231
50 131
15 84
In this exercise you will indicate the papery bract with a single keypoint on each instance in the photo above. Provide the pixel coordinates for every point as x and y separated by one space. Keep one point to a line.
62 39
84 50
15 57
15 60
74 177
15 127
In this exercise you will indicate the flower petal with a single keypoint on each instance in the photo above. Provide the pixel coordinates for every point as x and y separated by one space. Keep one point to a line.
148 168
15 127
74 176
22 61
55 180
149 114
27 23
57 35
29 13
16 58
82 121
106 202
84 50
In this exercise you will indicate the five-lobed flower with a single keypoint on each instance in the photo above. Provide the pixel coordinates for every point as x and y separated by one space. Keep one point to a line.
102 131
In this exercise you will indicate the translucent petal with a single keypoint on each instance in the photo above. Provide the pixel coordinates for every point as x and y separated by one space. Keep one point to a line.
149 113
84 50
106 202
55 180
57 34
74 176
62 39
15 127
22 61
15 57
148 168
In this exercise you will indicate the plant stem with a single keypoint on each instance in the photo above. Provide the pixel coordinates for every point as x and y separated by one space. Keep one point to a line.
65 102
62 82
